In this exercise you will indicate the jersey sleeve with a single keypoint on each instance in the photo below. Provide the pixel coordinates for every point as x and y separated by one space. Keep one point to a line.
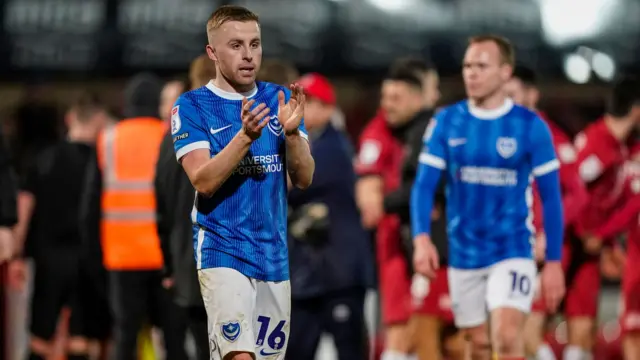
542 151
434 152
594 157
371 155
187 128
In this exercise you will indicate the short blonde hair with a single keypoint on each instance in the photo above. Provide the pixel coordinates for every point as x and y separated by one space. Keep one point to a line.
202 70
228 13
507 53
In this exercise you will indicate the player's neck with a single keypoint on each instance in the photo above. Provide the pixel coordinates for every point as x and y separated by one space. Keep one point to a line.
490 102
221 83
620 128
490 108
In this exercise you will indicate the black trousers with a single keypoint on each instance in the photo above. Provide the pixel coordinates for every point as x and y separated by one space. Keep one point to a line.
194 320
136 297
340 314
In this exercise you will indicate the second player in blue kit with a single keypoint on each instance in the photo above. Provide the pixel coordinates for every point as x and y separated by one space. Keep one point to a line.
239 141
490 151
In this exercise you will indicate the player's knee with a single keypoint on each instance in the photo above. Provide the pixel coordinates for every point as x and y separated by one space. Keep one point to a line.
239 356
478 337
581 332
506 330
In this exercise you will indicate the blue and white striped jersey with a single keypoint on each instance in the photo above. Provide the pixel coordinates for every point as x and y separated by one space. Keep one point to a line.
489 159
244 225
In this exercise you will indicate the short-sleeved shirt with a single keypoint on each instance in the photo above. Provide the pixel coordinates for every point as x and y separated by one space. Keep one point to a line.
243 226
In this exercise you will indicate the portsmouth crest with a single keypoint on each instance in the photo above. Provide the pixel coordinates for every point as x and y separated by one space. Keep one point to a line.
274 125
506 146
231 331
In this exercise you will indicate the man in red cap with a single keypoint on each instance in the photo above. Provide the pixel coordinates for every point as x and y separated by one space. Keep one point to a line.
329 250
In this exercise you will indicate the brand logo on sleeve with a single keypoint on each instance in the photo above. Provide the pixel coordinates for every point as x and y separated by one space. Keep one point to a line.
231 331
176 124
274 125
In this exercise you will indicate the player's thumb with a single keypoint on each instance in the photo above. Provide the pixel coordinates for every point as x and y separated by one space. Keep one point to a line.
281 97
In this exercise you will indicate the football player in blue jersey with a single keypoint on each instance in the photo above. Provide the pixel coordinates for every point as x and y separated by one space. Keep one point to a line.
238 140
490 150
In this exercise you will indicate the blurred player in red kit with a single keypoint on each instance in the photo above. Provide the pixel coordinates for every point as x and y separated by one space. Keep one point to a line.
625 219
603 148
523 90
380 159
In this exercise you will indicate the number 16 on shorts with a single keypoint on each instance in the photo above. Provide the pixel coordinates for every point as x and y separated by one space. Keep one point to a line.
271 336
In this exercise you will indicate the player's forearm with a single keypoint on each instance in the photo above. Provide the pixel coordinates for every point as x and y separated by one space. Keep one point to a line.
209 177
26 204
575 196
549 188
422 196
620 220
300 163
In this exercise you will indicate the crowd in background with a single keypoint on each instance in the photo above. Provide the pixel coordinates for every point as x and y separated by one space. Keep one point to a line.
51 179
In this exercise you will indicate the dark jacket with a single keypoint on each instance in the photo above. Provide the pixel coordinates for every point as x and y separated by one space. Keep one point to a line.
8 188
398 202
174 201
344 259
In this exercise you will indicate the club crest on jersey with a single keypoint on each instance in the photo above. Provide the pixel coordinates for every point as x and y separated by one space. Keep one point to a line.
230 330
176 124
506 146
274 125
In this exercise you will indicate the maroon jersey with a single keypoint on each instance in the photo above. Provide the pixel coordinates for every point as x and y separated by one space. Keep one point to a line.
600 163
380 153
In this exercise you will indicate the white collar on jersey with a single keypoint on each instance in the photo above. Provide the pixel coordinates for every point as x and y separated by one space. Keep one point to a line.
491 114
229 95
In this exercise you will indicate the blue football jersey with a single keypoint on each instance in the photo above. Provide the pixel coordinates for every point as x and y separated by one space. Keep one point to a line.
490 159
243 226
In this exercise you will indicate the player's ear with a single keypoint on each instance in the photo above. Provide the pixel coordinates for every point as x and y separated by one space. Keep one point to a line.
506 71
211 53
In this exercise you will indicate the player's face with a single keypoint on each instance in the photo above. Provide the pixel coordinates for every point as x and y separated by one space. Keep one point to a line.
400 101
516 90
168 97
484 72
237 51
316 113
431 88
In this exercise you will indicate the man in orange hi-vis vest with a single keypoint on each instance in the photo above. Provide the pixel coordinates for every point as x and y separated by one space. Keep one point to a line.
119 220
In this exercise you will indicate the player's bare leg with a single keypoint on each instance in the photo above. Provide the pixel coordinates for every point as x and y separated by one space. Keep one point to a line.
239 356
534 344
507 325
478 343
455 346
631 345
398 342
581 333
426 336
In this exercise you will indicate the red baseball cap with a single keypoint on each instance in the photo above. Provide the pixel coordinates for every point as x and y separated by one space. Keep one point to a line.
319 87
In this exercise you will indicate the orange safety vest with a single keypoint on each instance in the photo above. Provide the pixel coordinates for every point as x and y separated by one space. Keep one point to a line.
127 156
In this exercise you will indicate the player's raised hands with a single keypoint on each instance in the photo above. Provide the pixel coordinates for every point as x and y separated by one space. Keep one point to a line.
253 121
290 114
553 287
426 260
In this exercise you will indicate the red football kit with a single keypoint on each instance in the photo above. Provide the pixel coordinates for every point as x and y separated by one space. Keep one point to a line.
600 163
381 154
627 219
574 193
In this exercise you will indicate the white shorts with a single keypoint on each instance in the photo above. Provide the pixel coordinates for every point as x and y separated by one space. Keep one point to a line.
244 314
507 284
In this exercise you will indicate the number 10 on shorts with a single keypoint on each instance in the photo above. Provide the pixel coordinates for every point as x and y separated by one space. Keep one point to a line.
520 283
276 338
